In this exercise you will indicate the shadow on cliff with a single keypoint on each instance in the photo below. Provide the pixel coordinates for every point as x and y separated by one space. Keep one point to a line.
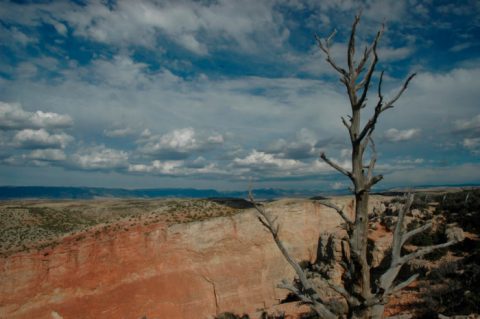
237 203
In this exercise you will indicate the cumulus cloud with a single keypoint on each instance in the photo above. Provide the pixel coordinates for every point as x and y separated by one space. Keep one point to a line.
178 144
29 138
305 145
99 158
262 164
198 167
440 91
166 67
161 167
48 154
261 160
469 131
394 135
14 117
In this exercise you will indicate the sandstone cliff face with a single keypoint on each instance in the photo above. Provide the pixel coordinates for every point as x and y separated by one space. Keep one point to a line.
192 270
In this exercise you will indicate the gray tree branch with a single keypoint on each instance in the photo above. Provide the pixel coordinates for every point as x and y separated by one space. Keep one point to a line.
415 231
425 250
335 166
340 211
309 291
325 47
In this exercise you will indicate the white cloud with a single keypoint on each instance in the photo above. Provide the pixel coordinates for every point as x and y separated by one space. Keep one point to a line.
13 116
438 103
305 145
394 54
195 26
48 154
468 125
415 161
119 132
400 164
120 71
178 143
262 160
314 61
229 105
249 111
29 138
262 164
100 157
159 167
216 139
374 11
394 135
182 139
338 185
345 153
389 10
60 28
15 38
178 168
472 144
454 174
50 120
21 37
192 44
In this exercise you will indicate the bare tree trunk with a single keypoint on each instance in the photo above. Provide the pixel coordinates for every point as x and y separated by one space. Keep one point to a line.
377 311
363 300
359 248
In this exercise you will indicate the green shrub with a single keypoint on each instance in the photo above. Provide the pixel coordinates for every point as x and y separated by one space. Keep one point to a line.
461 207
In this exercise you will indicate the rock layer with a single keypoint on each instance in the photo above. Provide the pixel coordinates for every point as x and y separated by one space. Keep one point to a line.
191 270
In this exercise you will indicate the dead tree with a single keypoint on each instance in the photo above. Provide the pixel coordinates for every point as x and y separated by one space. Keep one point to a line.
365 296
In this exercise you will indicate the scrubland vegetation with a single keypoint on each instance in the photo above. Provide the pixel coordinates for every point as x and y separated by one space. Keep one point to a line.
38 224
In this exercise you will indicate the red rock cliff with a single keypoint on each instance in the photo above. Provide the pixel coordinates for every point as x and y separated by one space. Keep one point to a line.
192 270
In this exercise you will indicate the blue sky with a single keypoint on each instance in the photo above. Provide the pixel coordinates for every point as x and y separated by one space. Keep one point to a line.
210 94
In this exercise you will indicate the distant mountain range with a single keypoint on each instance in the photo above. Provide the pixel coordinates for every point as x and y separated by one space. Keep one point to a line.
47 192
44 192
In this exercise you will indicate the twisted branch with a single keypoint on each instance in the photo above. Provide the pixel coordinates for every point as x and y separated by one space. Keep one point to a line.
335 166
340 211
308 294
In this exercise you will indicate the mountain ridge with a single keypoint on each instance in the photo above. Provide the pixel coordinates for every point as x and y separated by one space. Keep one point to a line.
70 192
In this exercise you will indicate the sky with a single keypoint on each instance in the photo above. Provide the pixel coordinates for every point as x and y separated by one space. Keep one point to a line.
213 94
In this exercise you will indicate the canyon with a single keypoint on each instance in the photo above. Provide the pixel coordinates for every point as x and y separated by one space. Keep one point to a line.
165 269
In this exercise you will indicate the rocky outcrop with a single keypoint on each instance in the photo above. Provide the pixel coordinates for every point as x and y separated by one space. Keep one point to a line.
189 270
